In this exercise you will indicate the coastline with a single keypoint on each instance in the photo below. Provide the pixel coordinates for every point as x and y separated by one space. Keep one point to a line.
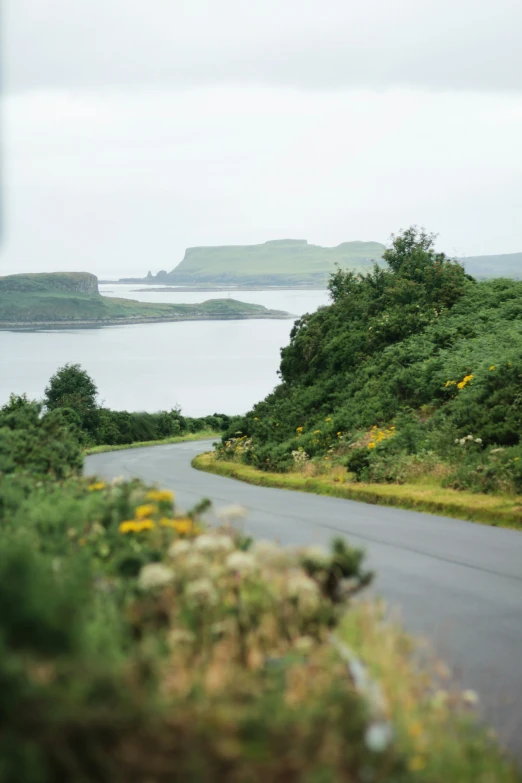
126 321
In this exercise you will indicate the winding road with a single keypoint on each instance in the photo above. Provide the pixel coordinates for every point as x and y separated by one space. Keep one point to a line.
457 583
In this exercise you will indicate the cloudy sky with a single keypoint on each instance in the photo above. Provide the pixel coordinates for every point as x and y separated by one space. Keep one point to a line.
134 129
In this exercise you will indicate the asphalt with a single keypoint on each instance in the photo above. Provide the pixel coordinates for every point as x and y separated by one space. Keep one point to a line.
455 583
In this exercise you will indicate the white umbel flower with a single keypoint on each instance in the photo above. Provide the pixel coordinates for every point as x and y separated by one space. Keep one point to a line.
241 562
202 591
179 548
231 513
213 543
155 575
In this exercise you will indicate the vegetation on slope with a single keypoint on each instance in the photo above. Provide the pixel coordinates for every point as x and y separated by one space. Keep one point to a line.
136 646
412 371
74 297
506 265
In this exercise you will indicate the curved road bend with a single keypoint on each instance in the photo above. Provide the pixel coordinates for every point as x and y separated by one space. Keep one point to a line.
457 583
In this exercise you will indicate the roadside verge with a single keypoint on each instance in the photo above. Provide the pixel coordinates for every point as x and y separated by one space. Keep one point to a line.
495 510
203 435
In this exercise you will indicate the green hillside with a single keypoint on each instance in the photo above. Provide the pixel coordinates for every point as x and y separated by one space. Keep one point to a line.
74 298
279 262
414 370
507 265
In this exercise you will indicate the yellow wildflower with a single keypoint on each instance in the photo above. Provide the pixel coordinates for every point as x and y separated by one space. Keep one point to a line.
317 432
129 526
160 495
144 511
329 418
493 367
255 418
144 524
416 763
96 486
371 445
450 383
299 430
183 525
415 729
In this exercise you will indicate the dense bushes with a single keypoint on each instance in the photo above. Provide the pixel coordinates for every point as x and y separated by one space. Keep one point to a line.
72 389
420 346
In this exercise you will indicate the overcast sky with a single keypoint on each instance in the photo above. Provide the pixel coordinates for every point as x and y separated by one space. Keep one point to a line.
134 129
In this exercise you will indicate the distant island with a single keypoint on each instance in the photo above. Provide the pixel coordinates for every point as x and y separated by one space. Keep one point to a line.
72 298
293 263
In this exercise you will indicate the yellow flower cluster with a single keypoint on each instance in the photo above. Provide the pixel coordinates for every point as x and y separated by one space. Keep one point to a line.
96 486
493 367
136 525
144 511
329 418
159 495
377 435
299 430
183 525
464 382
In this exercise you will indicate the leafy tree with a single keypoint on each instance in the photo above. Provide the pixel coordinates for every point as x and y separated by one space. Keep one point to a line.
72 387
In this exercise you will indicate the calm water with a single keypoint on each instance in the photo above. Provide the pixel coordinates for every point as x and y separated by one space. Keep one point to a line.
204 366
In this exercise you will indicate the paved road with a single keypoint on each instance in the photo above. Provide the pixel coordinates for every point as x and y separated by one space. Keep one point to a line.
457 583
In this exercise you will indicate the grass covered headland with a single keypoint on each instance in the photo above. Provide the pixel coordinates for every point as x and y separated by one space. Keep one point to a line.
73 298
412 375
138 647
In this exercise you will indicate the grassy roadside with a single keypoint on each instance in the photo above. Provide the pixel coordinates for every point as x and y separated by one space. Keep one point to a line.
203 435
435 726
496 510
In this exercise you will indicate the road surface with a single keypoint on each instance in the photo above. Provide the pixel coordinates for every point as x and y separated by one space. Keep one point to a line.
457 583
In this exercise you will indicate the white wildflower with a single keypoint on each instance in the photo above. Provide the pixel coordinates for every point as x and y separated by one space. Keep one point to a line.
300 585
317 554
378 737
194 564
202 591
155 575
179 547
213 543
242 562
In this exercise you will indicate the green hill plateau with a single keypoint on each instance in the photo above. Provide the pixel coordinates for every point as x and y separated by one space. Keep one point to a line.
294 262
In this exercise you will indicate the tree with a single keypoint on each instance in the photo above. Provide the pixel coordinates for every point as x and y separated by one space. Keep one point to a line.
71 387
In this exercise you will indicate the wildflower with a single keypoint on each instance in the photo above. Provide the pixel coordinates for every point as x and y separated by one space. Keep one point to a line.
416 763
129 526
155 575
299 430
339 434
378 736
450 383
371 444
415 729
256 418
493 367
160 495
214 543
183 525
329 418
96 486
317 432
202 591
144 511
179 548
316 555
464 382
241 562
